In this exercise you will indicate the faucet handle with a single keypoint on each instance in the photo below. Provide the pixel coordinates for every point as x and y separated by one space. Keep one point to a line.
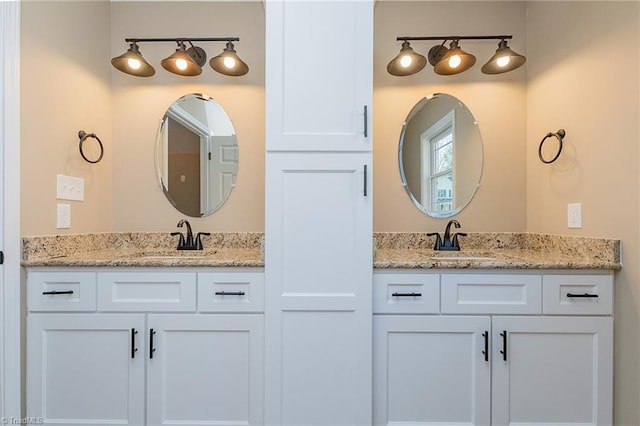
180 240
454 241
438 243
199 239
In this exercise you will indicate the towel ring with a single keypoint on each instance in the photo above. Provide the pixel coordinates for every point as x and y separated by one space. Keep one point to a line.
560 134
83 136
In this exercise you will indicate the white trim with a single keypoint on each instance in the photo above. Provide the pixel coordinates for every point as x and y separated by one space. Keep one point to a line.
10 371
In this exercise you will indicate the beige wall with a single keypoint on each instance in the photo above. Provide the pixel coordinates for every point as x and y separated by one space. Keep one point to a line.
65 87
583 73
139 103
497 102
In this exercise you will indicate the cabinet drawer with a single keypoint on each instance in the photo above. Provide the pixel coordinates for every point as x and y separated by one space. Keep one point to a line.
61 291
147 291
578 294
231 292
406 293
491 294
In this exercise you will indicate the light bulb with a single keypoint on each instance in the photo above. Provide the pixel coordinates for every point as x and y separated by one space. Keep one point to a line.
181 64
455 61
229 62
133 63
405 61
503 61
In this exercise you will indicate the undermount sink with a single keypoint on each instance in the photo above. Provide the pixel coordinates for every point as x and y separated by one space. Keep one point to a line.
463 255
178 255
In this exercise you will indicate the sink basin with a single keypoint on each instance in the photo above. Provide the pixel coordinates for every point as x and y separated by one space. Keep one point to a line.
170 257
463 255
176 254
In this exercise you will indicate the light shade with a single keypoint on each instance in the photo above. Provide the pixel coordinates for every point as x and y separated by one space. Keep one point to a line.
131 62
407 62
229 63
504 60
454 61
183 62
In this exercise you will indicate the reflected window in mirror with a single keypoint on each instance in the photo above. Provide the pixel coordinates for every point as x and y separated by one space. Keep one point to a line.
196 155
440 155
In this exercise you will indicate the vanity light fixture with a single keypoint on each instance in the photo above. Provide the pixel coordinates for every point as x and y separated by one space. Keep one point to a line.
453 60
184 61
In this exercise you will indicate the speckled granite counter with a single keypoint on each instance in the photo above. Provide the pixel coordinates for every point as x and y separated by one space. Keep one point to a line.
497 251
393 250
142 249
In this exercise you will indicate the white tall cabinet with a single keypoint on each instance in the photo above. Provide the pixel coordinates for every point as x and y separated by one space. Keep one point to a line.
318 223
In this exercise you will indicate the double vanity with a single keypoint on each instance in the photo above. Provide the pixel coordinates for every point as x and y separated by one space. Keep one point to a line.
136 332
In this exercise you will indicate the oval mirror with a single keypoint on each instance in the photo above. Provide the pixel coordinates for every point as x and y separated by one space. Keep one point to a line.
196 155
440 155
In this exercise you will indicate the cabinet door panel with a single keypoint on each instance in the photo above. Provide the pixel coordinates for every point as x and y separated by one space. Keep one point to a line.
319 75
558 371
206 369
431 370
80 370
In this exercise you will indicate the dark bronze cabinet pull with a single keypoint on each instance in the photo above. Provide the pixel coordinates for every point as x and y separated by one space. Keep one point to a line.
406 294
585 295
151 348
229 293
133 343
366 122
365 180
485 352
54 292
504 345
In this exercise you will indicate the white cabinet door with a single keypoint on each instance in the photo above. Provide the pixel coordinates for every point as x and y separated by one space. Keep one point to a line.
205 369
319 283
552 371
82 369
319 75
431 370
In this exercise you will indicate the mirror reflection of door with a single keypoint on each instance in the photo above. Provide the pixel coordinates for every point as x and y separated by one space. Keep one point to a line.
183 184
196 155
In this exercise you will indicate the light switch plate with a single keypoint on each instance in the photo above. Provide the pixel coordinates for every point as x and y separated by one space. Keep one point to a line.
574 215
70 188
63 216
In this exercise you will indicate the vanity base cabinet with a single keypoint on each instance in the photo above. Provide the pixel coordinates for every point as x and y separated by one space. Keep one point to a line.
431 370
146 365
80 370
556 370
465 364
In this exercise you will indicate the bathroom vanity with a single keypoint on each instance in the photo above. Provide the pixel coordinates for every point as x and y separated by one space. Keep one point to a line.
503 334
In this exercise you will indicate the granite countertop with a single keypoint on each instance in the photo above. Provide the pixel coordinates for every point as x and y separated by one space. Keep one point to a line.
392 250
497 251
142 250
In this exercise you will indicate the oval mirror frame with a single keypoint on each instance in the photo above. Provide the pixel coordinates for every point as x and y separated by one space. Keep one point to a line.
196 155
440 143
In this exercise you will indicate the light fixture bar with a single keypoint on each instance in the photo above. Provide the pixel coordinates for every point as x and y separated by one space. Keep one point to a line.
177 39
445 38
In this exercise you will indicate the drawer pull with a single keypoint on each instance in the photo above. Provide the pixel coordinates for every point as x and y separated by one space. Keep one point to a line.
406 294
54 292
230 293
151 348
585 295
485 352
504 345
133 343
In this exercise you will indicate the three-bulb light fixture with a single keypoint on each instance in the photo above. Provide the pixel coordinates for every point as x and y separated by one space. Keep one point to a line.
453 60
184 61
